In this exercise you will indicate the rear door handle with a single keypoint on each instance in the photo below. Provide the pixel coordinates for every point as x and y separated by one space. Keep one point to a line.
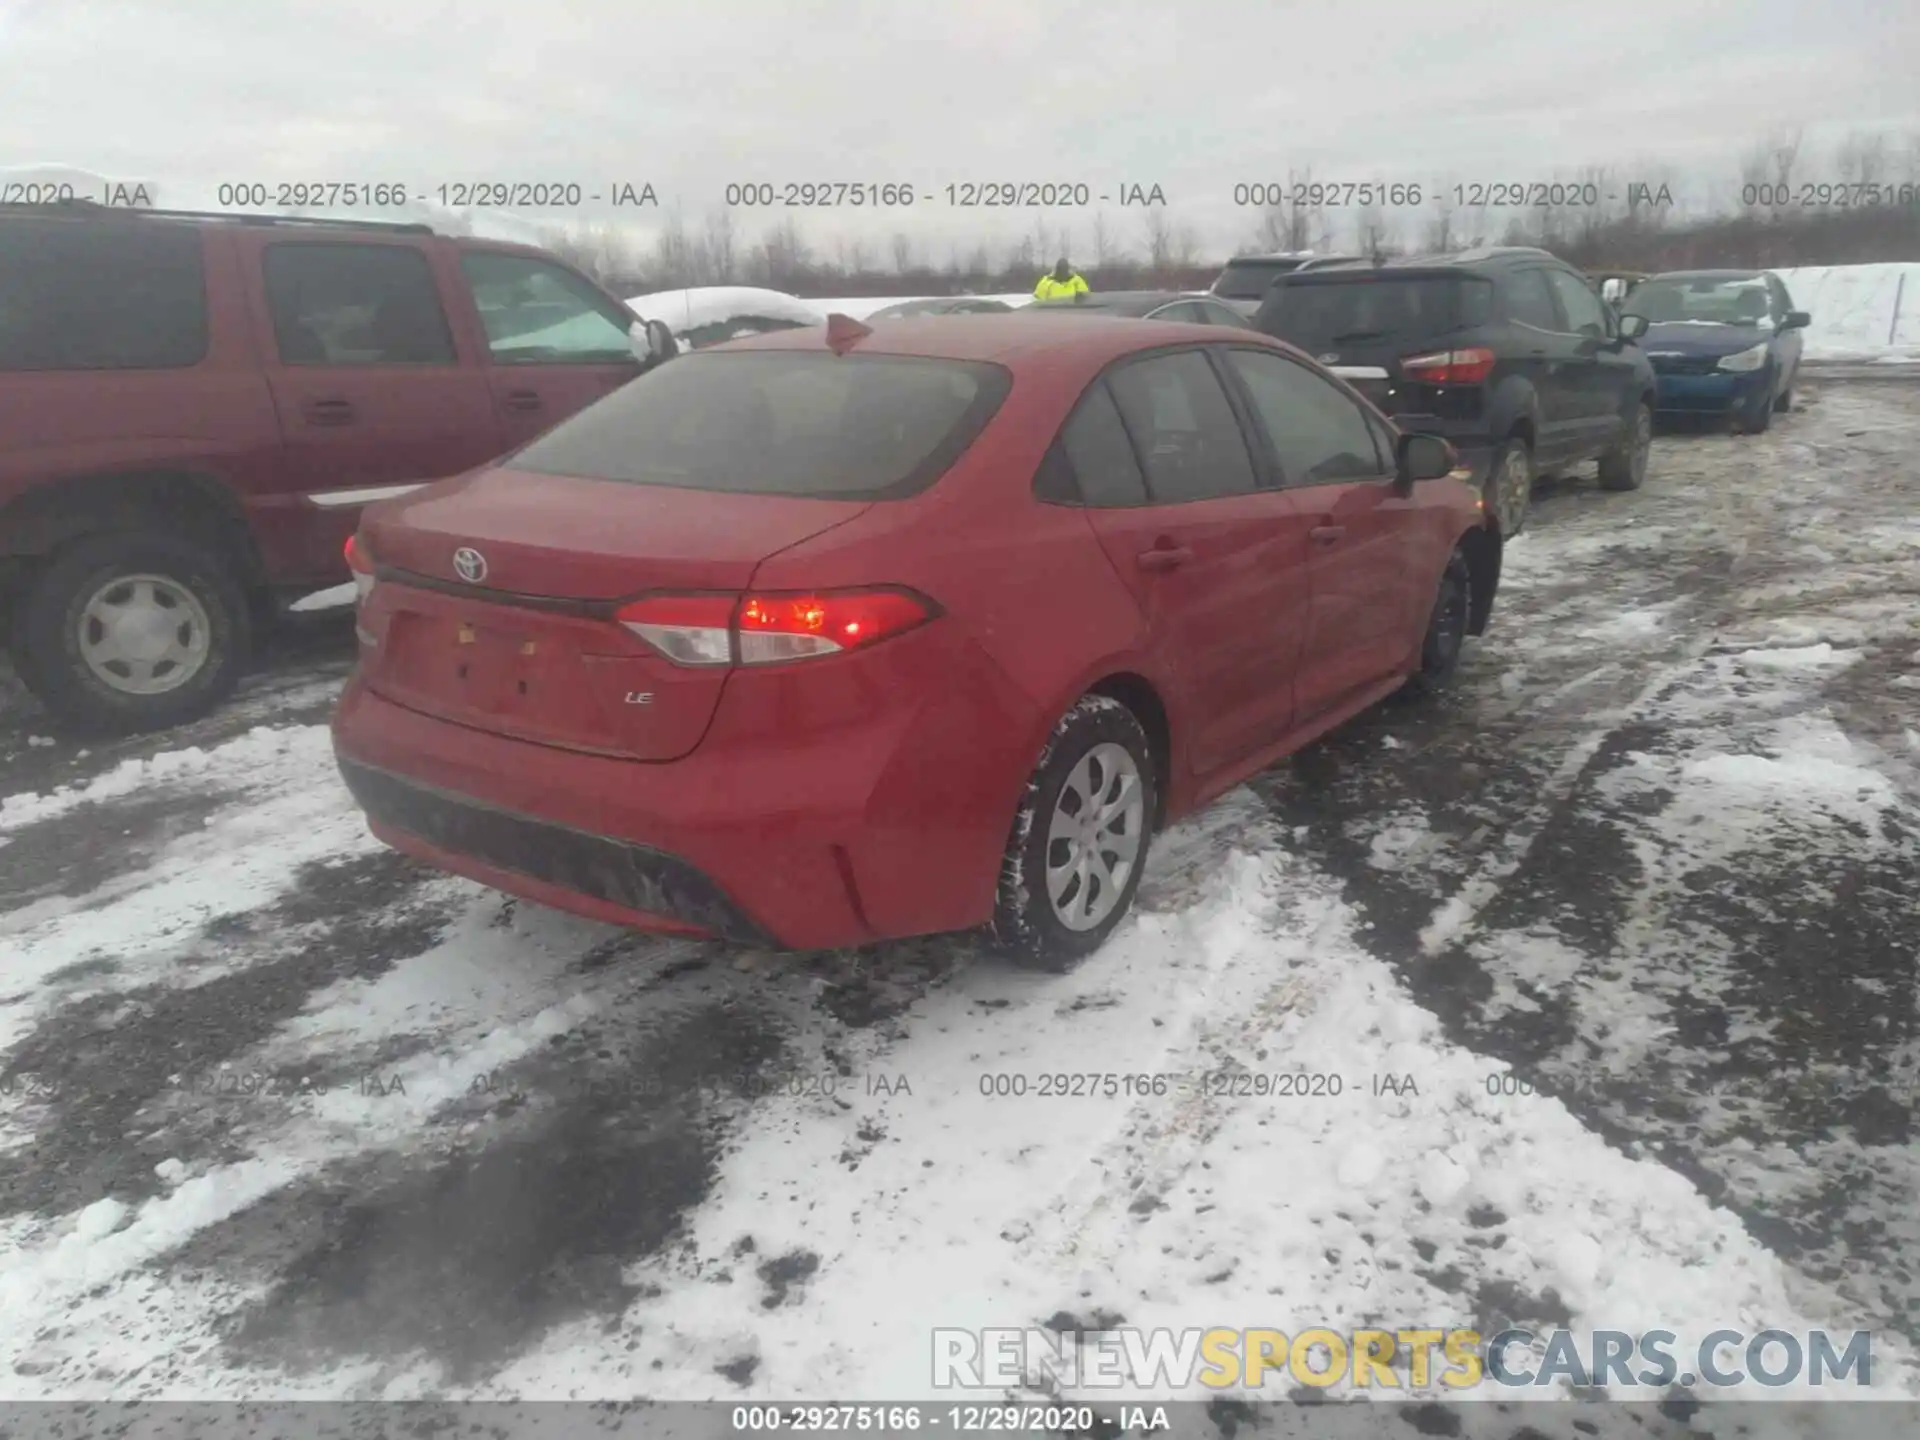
523 400
329 412
1326 534
1165 557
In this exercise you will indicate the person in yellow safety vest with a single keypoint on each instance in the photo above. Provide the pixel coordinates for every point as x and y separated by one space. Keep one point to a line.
1064 282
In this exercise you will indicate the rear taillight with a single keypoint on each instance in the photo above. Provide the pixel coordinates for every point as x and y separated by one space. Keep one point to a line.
770 628
360 562
1449 367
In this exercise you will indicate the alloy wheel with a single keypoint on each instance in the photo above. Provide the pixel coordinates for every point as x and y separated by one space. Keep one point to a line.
1094 836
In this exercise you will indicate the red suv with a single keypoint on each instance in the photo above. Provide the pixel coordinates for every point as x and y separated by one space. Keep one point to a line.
817 639
194 408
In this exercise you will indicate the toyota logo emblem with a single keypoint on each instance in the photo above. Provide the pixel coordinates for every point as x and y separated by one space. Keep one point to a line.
470 565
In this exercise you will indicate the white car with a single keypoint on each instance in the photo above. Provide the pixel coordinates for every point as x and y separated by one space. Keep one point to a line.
711 314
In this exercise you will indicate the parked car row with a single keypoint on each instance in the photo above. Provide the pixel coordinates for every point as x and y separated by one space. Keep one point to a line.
1517 358
835 633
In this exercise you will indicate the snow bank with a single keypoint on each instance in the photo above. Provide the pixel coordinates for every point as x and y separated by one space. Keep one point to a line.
1860 312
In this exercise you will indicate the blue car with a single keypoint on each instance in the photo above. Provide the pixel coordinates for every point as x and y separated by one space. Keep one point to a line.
1722 342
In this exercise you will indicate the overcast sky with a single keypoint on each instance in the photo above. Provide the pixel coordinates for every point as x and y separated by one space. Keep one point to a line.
691 96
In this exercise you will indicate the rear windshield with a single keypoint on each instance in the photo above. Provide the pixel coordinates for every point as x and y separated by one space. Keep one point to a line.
1249 280
1320 312
776 423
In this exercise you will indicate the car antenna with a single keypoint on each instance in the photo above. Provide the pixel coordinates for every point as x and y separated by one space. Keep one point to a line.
844 332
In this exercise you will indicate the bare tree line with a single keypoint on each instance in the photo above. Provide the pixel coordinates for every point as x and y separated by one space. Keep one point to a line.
1757 218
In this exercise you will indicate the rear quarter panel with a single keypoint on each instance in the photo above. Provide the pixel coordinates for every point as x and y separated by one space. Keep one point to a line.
1035 615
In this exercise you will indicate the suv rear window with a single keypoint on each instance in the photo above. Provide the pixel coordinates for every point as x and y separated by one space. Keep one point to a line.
1321 310
89 295
1249 279
774 423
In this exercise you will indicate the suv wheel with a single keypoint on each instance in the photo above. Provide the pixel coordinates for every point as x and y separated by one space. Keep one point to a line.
126 632
1080 839
1785 402
1625 466
1446 630
1509 487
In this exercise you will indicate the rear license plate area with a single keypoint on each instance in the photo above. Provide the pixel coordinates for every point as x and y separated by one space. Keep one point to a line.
476 668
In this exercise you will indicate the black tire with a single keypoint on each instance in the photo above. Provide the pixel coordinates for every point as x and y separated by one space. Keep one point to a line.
1624 467
52 622
1509 495
1785 402
1758 418
1446 635
1025 924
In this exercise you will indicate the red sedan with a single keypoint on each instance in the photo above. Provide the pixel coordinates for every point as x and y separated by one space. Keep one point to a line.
822 638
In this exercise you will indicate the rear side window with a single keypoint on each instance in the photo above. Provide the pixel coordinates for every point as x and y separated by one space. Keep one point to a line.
854 427
1189 440
1092 462
345 304
101 296
1530 302
1322 314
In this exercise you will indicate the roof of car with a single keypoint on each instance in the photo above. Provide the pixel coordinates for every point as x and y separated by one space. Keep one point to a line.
1450 260
933 304
1018 335
1707 275
1136 302
87 211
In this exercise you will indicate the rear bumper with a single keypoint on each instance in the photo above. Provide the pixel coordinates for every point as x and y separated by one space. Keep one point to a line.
1708 394
457 832
860 817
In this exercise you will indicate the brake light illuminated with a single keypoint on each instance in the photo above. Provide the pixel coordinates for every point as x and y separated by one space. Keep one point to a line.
1449 367
771 628
360 562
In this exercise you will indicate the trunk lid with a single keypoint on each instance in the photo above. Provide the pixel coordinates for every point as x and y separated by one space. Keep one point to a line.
528 647
558 536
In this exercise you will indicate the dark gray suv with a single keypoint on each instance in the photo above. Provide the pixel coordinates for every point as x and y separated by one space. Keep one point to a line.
1507 352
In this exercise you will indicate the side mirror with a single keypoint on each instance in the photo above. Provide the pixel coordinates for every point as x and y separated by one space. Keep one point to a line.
652 341
1796 320
1632 327
1422 457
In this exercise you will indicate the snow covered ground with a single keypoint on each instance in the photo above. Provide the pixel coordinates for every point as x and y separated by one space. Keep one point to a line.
284 1114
